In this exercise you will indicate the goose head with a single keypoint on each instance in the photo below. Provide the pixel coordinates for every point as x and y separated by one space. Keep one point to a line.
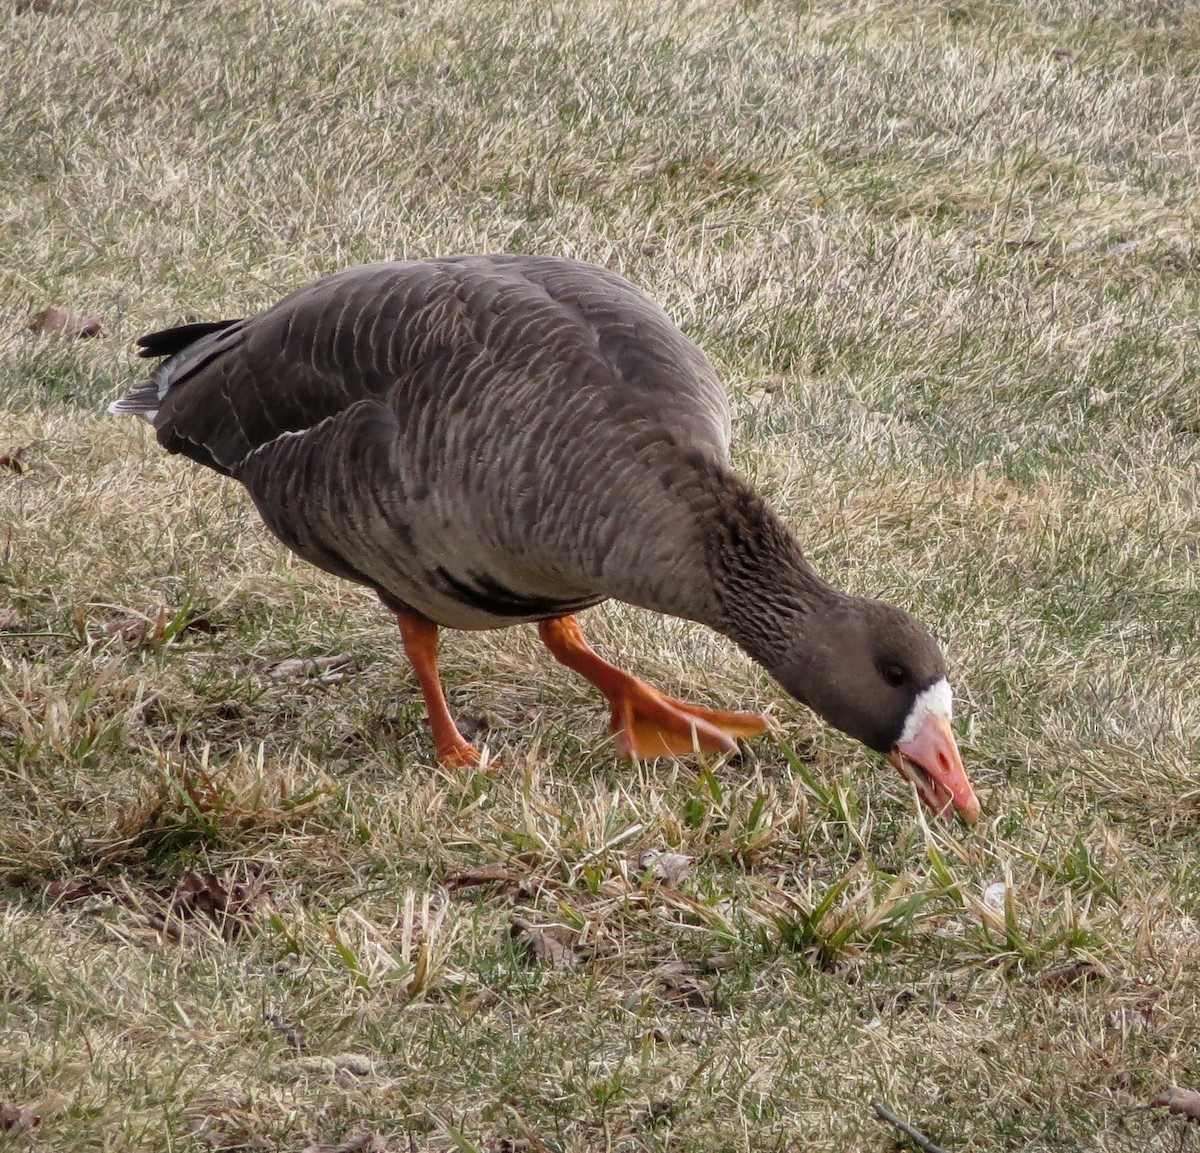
872 671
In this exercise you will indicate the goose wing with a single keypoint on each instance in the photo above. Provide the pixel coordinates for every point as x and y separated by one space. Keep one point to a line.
459 434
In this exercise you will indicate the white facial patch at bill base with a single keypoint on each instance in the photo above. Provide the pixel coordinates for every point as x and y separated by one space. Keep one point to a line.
935 701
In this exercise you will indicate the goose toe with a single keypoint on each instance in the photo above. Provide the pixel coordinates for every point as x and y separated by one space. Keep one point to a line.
648 724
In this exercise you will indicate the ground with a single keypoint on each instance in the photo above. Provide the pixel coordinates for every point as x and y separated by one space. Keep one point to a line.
944 257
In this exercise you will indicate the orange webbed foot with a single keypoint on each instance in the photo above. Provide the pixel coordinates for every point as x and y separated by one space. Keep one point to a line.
647 723
460 755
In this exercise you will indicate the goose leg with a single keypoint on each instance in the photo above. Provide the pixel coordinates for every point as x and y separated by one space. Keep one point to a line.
645 722
420 637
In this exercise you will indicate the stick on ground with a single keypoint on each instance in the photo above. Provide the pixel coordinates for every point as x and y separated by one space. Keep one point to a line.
914 1135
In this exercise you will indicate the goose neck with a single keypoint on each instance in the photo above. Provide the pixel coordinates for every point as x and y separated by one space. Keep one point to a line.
766 591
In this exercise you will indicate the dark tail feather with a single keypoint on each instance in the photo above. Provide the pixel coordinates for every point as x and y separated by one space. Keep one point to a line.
172 340
146 396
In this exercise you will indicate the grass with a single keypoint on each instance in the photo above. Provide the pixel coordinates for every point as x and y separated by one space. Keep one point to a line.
944 256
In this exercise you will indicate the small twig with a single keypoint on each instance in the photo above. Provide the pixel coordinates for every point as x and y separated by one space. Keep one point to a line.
914 1135
60 636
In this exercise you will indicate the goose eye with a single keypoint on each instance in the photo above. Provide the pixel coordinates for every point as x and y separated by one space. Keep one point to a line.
894 675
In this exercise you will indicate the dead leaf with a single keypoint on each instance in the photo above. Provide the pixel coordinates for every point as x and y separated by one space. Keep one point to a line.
678 985
63 321
138 628
327 670
34 5
1067 976
493 873
292 1034
1185 1102
548 950
477 727
13 460
11 621
132 630
687 991
166 908
224 1135
669 867
221 1121
14 1120
664 1109
543 948
465 1010
204 894
359 1143
200 893
341 1067
62 892
1132 1019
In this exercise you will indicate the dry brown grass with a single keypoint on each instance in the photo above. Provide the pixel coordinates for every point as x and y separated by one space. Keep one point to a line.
944 255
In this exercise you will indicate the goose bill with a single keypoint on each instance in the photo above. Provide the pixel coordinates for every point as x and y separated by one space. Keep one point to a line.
932 762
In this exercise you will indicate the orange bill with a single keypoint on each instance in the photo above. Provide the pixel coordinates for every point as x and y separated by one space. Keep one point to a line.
932 763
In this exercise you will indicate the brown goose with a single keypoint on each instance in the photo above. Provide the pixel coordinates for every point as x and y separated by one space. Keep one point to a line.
490 440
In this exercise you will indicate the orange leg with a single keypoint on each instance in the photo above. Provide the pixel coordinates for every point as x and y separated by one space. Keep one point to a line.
646 723
420 636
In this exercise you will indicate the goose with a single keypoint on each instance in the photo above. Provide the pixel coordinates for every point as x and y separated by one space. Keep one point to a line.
489 440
